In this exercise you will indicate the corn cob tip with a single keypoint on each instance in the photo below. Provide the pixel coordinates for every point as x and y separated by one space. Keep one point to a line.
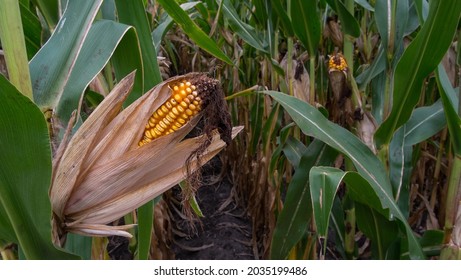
337 62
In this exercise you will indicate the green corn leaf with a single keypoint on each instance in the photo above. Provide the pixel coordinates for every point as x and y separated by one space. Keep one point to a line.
377 66
25 175
453 120
420 58
163 27
192 30
101 43
260 12
276 155
243 30
6 229
108 10
133 13
32 30
51 67
79 245
280 11
350 24
391 29
381 232
431 242
400 169
293 220
314 124
306 23
338 225
14 46
49 11
256 116
324 183
425 122
127 58
378 85
365 5
145 227
294 149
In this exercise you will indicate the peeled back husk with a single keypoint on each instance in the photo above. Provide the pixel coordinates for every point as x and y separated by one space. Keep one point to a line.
103 173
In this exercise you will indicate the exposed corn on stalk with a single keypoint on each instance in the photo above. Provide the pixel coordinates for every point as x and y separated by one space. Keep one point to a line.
174 113
105 171
339 104
337 63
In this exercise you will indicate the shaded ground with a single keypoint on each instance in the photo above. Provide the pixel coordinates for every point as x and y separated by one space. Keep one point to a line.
225 230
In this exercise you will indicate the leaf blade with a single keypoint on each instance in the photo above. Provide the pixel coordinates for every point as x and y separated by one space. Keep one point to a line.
192 30
50 68
314 124
420 58
25 149
306 23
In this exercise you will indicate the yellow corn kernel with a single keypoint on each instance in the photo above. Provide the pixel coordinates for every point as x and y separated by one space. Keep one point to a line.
183 104
177 97
148 135
168 120
175 111
171 115
189 112
162 124
337 63
151 122
159 128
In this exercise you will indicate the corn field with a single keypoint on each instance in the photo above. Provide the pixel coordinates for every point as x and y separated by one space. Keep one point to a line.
337 123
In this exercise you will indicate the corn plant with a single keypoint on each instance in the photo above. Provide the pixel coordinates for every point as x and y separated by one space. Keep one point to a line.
350 111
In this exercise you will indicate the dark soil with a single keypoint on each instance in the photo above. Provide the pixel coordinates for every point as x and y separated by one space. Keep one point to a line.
224 233
117 248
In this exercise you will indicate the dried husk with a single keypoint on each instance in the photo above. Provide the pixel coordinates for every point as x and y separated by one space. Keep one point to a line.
67 171
366 130
103 174
332 30
297 78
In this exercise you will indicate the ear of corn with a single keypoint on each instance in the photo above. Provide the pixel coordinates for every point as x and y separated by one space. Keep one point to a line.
102 175
184 103
337 63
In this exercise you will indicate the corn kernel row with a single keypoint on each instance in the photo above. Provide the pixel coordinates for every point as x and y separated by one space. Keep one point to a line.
174 113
